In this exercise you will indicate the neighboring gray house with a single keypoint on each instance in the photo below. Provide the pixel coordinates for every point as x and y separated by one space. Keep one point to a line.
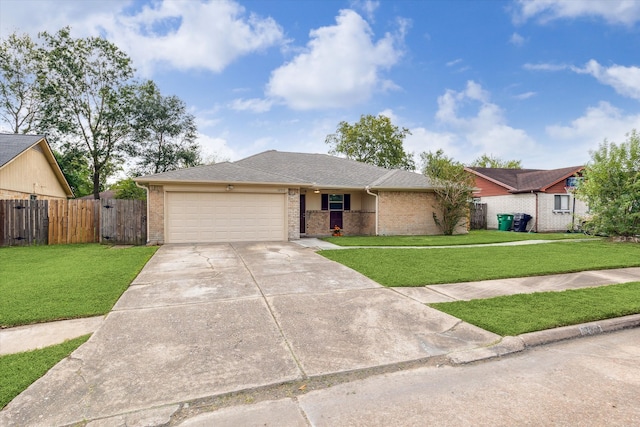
278 196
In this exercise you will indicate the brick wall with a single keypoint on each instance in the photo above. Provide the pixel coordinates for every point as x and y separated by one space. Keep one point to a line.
357 223
293 214
317 223
550 221
354 223
511 204
406 213
155 205
544 218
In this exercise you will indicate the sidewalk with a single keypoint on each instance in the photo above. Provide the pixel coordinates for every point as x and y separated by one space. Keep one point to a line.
31 337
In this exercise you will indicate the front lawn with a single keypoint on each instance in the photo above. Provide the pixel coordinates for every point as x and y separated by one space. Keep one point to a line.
474 237
46 283
419 267
18 371
517 314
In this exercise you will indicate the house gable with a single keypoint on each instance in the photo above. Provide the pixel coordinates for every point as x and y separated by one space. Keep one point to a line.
29 168
486 187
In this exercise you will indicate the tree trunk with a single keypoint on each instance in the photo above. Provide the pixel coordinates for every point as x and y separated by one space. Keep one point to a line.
96 184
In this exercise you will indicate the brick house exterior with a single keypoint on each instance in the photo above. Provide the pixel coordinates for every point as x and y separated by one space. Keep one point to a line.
543 194
283 196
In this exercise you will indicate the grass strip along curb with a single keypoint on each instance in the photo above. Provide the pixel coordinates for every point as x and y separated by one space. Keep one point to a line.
18 371
420 267
47 283
474 237
518 314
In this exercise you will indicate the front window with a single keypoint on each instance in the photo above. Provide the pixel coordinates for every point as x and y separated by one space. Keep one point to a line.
336 202
561 203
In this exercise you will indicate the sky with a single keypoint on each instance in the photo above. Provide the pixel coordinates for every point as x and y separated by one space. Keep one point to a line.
541 81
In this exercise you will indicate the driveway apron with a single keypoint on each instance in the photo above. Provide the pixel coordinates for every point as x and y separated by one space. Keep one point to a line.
204 320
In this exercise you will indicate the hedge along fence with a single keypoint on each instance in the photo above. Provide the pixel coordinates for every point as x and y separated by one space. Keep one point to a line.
110 221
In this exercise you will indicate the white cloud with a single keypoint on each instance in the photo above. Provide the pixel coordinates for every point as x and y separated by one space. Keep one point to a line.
525 95
215 148
596 124
368 7
339 68
588 131
625 80
181 34
192 34
84 17
485 132
545 67
255 105
422 140
626 12
516 39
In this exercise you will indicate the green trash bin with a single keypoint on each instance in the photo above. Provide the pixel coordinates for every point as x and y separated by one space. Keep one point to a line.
505 221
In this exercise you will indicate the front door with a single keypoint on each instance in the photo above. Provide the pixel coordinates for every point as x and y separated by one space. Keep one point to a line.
336 206
335 218
303 211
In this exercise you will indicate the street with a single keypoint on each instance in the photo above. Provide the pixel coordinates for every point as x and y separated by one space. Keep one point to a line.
592 381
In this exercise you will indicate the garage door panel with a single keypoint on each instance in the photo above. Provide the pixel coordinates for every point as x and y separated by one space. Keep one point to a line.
225 217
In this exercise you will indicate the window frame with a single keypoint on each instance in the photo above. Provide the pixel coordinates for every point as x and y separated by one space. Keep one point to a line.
557 203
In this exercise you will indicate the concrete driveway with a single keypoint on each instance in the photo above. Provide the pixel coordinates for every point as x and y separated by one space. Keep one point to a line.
205 320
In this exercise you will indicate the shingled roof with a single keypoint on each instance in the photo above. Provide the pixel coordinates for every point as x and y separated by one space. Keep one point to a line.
13 145
320 171
525 180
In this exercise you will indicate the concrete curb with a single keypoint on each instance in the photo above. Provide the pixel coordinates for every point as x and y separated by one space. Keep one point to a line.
510 345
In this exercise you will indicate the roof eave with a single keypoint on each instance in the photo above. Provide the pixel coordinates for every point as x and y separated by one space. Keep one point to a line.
578 169
165 181
495 181
51 158
422 189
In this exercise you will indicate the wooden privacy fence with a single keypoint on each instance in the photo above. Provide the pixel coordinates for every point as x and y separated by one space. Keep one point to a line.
23 223
73 221
478 216
110 221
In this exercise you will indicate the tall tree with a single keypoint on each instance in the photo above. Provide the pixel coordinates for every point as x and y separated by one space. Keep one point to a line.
87 94
21 61
490 161
127 189
453 188
373 140
611 188
164 132
76 170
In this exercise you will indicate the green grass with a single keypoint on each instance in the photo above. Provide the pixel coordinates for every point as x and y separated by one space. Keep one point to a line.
46 283
474 237
517 314
18 371
419 267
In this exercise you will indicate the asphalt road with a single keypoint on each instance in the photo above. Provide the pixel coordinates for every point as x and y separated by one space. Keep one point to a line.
590 381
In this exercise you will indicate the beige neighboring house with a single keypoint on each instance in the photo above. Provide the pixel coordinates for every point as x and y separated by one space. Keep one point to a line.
279 196
29 170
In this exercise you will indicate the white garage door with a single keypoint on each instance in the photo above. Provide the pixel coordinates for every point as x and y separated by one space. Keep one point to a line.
225 217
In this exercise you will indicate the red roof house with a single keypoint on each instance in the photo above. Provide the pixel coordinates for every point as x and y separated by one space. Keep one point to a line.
545 195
